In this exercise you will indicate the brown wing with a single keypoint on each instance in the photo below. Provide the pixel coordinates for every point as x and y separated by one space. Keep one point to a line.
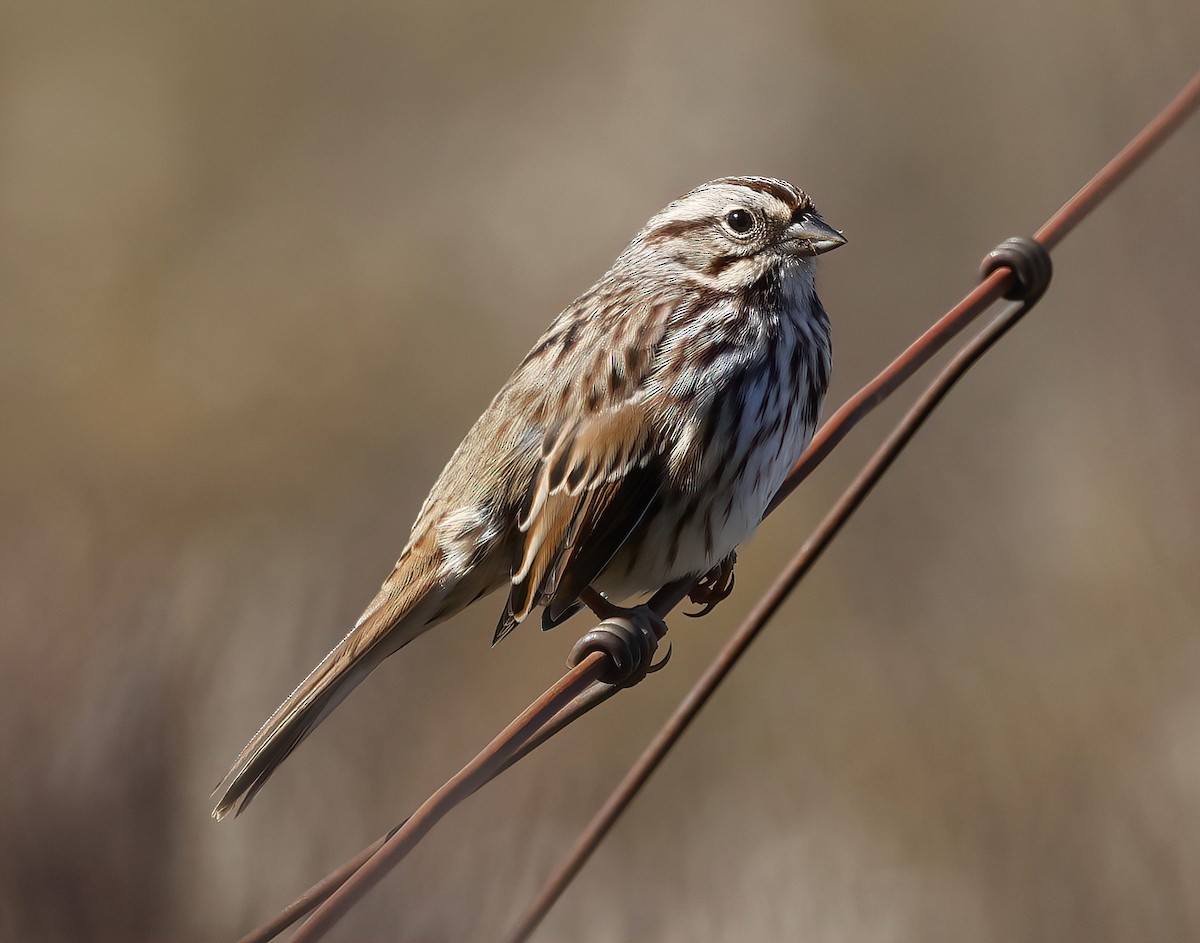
596 482
596 476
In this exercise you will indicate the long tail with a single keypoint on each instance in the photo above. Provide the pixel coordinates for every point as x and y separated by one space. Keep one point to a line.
403 610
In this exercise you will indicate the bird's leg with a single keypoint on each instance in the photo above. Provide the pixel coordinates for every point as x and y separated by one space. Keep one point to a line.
713 587
634 652
605 609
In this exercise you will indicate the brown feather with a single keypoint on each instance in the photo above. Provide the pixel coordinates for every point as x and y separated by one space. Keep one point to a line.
582 471
604 535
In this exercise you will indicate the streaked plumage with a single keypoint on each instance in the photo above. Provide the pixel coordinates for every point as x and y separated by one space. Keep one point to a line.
638 443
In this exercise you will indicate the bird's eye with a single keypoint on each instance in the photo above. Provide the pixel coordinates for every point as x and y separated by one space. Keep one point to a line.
740 221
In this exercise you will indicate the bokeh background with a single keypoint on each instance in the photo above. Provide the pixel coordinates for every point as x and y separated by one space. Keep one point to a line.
261 265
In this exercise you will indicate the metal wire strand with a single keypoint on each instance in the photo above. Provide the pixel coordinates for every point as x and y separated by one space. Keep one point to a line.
615 654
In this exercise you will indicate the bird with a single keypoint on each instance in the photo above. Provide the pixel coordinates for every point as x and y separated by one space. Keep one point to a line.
637 444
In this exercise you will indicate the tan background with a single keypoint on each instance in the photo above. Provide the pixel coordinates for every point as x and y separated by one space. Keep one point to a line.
262 265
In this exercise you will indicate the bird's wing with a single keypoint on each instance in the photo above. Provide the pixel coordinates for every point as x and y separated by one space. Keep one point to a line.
595 484
599 474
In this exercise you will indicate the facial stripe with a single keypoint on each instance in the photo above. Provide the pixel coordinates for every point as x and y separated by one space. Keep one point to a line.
720 263
784 192
674 228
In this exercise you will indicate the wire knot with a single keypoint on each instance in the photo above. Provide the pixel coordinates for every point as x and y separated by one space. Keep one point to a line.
1028 260
629 642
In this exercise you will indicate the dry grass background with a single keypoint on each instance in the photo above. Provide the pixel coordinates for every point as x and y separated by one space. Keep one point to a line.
261 266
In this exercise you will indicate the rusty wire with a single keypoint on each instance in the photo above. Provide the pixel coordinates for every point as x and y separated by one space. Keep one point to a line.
589 682
576 692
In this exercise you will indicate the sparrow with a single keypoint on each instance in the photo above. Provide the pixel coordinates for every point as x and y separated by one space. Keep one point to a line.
637 444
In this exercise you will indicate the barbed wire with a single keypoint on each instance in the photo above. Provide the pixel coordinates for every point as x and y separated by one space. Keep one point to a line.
598 673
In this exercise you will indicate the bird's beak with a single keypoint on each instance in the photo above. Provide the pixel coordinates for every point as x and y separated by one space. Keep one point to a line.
810 235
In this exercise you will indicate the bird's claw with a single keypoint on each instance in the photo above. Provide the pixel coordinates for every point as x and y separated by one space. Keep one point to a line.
662 662
713 587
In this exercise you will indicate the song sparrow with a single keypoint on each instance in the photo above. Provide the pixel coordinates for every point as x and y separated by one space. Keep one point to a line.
638 443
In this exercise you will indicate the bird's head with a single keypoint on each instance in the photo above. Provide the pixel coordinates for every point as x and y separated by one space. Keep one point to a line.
731 230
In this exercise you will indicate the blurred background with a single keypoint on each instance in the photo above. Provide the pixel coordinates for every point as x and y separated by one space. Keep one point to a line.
262 265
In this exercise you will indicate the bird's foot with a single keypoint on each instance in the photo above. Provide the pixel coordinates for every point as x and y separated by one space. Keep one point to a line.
629 636
713 587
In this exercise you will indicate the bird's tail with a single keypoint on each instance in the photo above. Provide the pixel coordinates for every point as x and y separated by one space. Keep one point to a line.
401 612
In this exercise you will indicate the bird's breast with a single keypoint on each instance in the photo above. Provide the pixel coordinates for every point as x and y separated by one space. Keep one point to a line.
730 460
